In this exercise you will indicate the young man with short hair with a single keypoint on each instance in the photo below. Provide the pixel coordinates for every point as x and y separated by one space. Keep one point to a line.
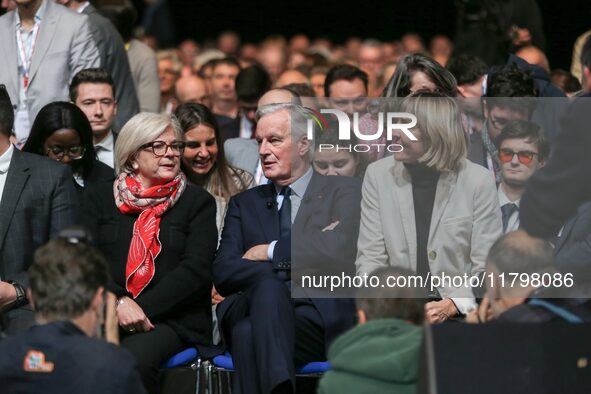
93 91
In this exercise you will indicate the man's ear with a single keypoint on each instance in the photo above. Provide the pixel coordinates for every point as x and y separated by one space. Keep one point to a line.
303 146
97 300
462 90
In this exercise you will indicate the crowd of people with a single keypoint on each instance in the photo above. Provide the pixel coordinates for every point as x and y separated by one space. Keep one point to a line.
203 182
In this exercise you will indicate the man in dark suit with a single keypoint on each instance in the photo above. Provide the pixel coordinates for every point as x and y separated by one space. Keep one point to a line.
58 355
113 58
268 332
510 96
37 200
554 193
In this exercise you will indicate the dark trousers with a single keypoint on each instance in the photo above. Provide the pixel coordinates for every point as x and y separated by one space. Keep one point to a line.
151 349
268 334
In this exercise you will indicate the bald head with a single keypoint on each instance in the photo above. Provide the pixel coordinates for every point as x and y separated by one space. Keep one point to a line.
192 89
518 252
279 96
533 55
291 76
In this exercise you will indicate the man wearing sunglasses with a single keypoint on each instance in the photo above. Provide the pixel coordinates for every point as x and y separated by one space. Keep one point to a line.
510 96
523 149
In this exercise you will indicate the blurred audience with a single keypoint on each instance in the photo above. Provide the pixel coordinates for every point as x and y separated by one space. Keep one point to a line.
169 71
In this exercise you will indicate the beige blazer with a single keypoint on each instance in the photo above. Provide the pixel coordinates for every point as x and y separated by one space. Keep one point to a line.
64 47
466 221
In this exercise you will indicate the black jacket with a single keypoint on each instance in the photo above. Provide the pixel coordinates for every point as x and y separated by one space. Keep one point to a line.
58 358
180 292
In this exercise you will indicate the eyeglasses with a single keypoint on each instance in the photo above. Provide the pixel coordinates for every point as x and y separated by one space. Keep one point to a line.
524 156
159 148
73 152
498 123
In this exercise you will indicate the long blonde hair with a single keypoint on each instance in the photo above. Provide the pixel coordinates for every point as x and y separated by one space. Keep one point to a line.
439 120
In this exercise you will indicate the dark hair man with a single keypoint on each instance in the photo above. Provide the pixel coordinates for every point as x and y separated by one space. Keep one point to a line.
93 91
251 83
37 199
523 149
346 86
224 102
113 58
470 72
510 96
68 283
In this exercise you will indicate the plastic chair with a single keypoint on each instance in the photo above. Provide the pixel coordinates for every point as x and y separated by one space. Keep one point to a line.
188 357
223 364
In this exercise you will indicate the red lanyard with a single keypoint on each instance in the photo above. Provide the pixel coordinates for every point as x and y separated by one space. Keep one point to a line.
26 62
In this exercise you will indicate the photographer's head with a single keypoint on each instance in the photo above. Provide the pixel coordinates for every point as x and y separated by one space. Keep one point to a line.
67 282
516 255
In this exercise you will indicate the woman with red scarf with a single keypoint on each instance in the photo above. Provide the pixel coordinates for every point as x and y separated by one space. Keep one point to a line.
159 235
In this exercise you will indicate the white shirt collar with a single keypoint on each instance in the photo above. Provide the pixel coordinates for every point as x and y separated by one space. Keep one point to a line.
107 143
503 199
82 7
5 159
301 184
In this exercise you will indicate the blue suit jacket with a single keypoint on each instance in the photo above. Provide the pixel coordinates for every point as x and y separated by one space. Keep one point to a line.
252 219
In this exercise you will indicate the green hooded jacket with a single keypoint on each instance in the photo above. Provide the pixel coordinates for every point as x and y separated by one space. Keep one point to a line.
380 356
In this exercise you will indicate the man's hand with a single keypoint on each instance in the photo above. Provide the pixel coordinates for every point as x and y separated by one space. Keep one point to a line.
482 314
331 226
440 311
216 298
7 294
257 253
131 316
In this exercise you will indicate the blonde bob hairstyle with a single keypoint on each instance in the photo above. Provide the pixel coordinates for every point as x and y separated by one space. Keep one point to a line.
139 130
442 132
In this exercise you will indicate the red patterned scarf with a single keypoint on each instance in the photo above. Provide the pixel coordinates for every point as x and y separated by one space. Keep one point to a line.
131 197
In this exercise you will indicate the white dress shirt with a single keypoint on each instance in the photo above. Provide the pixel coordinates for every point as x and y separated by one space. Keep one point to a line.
513 223
4 164
105 150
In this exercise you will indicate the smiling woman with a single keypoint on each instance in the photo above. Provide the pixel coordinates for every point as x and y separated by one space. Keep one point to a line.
158 234
203 159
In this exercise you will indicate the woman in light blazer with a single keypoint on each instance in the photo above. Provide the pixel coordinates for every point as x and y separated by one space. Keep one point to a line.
429 209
